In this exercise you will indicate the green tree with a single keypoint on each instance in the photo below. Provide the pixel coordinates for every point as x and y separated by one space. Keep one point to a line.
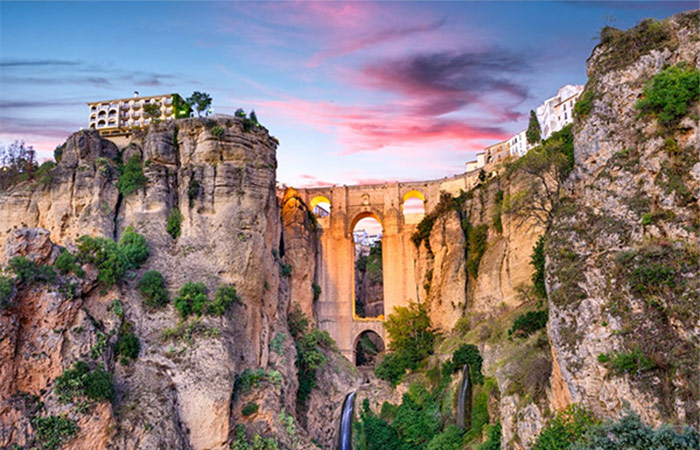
534 132
152 111
191 299
18 163
201 102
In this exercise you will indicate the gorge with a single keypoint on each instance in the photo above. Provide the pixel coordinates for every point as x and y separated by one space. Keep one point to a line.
195 305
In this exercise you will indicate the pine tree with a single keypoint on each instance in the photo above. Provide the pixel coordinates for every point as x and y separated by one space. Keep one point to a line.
533 133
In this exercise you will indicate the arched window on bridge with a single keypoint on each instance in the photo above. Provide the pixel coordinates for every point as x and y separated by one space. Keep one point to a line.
413 207
369 279
368 346
320 206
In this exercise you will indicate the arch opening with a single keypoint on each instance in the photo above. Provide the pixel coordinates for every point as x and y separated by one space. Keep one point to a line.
368 346
320 206
369 277
413 205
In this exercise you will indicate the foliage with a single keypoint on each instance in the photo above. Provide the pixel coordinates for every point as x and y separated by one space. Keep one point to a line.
249 379
493 441
58 153
191 299
633 361
316 290
675 170
173 223
584 104
497 211
450 439
249 409
186 331
469 354
192 190
285 269
277 343
565 428
67 262
480 409
44 174
622 48
241 442
477 238
128 346
534 132
670 92
411 340
180 107
52 432
297 322
96 384
18 164
100 345
131 177
7 289
152 111
462 326
526 324
117 308
631 434
200 102
537 260
28 271
224 298
217 131
104 254
417 418
446 204
134 247
375 433
152 287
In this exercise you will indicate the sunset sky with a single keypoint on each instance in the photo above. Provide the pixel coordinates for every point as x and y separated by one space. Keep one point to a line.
356 92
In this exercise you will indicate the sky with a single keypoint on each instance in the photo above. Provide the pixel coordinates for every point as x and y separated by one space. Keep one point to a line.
356 92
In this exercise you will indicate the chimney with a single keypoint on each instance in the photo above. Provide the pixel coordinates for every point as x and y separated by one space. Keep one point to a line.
136 94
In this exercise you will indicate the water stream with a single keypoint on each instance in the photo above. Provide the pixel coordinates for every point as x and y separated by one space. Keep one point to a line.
464 402
345 435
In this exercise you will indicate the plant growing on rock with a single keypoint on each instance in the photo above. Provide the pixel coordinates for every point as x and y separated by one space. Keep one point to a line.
565 428
52 432
27 271
131 176
152 287
67 262
191 299
95 384
669 94
7 289
224 299
128 347
526 324
173 223
249 409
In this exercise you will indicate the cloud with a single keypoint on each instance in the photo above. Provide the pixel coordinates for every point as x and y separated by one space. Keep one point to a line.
21 104
312 181
58 129
8 63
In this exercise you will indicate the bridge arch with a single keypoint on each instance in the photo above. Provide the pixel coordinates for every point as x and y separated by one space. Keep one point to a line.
367 346
320 206
370 213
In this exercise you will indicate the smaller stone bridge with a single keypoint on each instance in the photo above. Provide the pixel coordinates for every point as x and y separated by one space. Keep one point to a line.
335 309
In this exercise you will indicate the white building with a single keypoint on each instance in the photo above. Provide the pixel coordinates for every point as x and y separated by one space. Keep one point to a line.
518 145
557 112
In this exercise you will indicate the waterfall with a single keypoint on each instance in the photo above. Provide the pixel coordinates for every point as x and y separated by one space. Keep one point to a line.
345 435
464 402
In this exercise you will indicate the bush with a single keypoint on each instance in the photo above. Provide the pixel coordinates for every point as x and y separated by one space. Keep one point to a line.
27 271
277 343
134 247
418 417
565 428
7 289
537 260
44 174
67 262
317 291
224 298
285 269
669 94
79 381
631 434
469 354
173 223
128 346
526 324
462 326
450 439
217 131
191 299
192 190
131 176
584 104
633 361
493 442
52 432
241 442
152 287
249 409
477 237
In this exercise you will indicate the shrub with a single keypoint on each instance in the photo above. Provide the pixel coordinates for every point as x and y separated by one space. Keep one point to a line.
450 439
224 298
192 190
241 442
27 270
469 354
117 308
317 291
173 223
100 345
7 289
217 131
44 174
249 409
152 287
631 434
285 269
493 441
191 299
633 361
128 346
131 176
249 379
528 323
417 418
277 343
462 326
134 247
52 432
584 104
670 92
565 428
537 260
67 262
79 381
477 237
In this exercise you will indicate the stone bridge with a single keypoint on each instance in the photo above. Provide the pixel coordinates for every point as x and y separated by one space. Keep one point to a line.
335 308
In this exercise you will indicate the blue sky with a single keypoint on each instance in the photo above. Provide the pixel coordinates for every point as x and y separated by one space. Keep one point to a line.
356 92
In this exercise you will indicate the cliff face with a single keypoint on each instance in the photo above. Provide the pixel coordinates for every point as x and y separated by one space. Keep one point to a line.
631 217
178 393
